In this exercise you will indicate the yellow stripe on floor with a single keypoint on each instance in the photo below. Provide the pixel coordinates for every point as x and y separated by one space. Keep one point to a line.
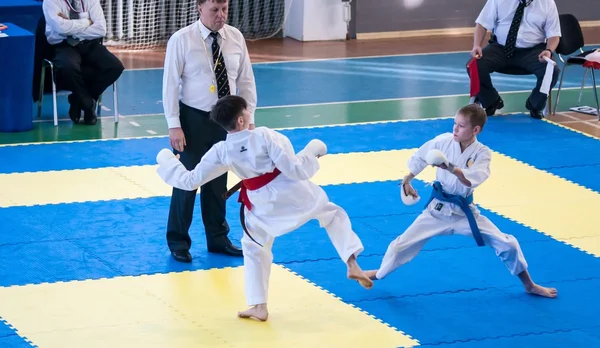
516 190
88 185
190 309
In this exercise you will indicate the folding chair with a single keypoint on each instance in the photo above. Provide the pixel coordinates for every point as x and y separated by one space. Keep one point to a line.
43 52
570 42
516 71
48 64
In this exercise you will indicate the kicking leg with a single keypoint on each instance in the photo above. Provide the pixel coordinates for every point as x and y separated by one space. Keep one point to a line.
336 222
404 248
509 251
257 270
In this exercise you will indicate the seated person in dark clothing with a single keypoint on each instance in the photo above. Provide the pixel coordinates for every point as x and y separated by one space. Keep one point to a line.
75 29
523 33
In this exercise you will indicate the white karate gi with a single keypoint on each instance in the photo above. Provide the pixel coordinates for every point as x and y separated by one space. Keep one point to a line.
442 218
283 205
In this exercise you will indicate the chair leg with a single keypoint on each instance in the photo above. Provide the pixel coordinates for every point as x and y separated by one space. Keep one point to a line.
116 103
548 108
596 94
99 105
54 99
41 100
582 85
562 76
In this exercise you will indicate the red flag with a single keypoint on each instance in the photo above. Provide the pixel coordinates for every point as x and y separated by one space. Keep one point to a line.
474 76
591 64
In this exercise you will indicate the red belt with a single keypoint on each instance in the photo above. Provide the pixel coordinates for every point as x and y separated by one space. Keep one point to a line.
254 184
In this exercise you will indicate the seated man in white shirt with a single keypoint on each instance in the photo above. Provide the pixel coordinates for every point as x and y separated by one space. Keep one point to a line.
522 43
204 61
75 29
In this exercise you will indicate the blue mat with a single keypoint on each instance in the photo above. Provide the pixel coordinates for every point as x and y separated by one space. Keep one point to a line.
500 135
9 337
451 291
558 339
491 313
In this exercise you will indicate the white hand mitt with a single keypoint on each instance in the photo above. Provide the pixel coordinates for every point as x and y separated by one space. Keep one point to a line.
316 147
164 156
436 157
408 199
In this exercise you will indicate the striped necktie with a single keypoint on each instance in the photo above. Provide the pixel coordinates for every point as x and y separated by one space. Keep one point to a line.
220 70
511 39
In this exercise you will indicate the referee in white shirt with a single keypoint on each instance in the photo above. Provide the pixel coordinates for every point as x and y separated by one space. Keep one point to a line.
204 61
75 29
523 33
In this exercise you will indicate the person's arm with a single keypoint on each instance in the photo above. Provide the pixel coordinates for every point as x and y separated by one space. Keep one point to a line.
246 83
173 69
58 21
98 27
477 173
485 22
552 28
301 166
173 172
552 31
479 35
417 163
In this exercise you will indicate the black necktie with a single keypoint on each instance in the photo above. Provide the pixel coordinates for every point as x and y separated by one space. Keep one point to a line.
74 10
220 70
511 38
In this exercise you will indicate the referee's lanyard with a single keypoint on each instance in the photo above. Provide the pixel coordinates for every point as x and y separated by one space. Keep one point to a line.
72 9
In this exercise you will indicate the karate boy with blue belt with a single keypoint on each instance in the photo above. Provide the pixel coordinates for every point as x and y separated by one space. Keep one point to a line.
463 163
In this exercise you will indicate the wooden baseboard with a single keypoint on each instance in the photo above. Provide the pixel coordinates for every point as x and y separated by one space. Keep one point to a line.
439 32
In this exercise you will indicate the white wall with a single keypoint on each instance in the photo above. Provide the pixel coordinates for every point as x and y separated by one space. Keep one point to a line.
315 20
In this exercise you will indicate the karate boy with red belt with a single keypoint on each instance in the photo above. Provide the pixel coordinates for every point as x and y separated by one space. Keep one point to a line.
276 194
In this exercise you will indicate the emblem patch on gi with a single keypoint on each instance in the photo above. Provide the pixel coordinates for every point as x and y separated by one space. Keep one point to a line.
470 162
243 149
439 206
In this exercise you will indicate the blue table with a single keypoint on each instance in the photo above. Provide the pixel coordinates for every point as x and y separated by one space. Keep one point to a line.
16 79
24 13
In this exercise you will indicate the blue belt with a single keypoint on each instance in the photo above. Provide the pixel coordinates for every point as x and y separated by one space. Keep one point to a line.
463 203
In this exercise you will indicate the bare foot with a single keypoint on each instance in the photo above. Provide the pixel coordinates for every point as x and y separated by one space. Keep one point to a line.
355 273
361 278
258 312
535 289
371 274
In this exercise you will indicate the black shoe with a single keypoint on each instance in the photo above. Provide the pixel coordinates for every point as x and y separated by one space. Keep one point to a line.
227 249
497 105
74 109
537 114
182 256
89 117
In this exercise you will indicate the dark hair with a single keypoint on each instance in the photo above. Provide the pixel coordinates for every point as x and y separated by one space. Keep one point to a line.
475 113
200 2
227 110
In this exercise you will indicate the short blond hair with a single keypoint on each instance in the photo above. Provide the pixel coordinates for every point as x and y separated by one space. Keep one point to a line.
475 113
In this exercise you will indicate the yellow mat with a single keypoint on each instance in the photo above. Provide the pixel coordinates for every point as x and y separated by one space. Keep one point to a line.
515 190
189 309
89 185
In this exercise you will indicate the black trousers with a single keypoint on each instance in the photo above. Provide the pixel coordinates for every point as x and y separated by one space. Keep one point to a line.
86 70
200 134
494 59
